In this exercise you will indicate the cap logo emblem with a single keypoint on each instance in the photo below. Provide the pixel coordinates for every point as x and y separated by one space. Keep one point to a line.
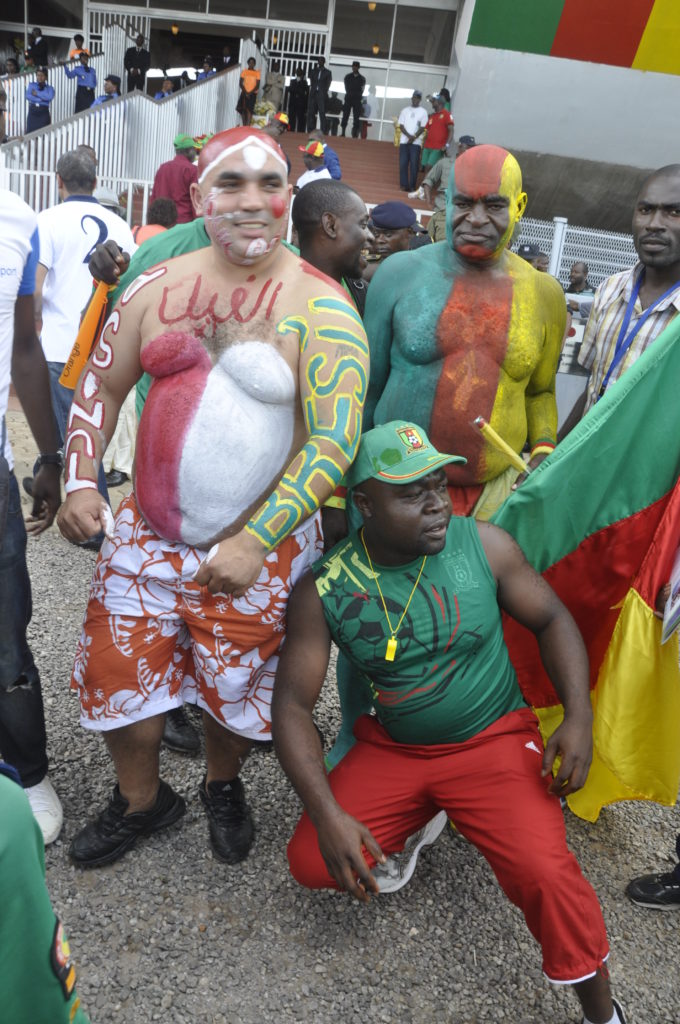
411 439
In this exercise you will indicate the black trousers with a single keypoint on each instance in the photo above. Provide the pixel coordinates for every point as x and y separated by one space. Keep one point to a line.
317 102
38 117
23 742
135 82
84 98
298 117
353 104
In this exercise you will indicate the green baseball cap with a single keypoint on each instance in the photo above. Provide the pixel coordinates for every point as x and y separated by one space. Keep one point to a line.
184 142
396 453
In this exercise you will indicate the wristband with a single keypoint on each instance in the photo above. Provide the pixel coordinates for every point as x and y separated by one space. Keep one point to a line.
51 459
543 447
79 485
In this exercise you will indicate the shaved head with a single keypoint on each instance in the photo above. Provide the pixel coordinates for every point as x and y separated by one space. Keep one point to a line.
670 171
656 222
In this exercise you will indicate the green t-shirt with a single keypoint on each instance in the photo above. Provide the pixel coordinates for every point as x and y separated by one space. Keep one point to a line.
37 977
451 676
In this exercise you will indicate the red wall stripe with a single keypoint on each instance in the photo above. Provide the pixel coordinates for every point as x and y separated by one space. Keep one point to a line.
605 32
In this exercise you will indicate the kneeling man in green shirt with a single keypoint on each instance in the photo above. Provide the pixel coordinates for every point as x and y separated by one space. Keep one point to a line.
414 600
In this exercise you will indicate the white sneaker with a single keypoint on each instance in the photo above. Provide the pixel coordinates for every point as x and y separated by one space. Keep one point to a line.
397 869
46 809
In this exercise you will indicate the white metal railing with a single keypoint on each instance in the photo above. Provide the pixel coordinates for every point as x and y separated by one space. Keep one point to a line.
131 135
292 47
39 190
605 252
62 105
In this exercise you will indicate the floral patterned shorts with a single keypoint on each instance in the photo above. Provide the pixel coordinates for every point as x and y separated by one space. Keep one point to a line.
153 639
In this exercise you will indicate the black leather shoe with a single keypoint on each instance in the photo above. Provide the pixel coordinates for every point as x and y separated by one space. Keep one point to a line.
231 824
116 477
108 837
179 734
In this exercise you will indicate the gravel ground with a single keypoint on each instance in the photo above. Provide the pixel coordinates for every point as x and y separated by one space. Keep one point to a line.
170 934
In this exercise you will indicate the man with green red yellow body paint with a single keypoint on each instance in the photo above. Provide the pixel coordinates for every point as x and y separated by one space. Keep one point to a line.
462 329
465 329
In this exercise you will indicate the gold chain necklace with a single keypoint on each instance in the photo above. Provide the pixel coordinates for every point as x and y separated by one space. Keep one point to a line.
392 642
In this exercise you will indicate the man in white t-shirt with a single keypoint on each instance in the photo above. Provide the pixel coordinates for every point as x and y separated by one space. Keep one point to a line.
69 234
22 719
412 122
313 156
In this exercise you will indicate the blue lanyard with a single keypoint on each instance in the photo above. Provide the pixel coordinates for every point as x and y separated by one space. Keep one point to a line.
626 337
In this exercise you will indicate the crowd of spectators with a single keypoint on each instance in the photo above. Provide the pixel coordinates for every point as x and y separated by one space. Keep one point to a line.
197 197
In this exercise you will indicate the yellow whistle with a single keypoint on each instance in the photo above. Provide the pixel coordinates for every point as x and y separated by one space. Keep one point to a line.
391 648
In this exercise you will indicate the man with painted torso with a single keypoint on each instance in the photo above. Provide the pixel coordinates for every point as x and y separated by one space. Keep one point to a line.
461 330
259 367
479 327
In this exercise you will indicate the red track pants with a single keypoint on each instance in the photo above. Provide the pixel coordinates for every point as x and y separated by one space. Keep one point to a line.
491 787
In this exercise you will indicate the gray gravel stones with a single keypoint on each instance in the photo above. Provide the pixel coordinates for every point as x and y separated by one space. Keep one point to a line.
169 934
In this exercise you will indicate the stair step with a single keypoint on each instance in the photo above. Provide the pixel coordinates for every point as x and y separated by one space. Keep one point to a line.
369 167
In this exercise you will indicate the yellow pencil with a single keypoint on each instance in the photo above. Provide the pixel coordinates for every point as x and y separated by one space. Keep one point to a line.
490 435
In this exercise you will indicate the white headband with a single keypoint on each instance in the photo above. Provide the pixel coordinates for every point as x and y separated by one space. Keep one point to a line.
252 140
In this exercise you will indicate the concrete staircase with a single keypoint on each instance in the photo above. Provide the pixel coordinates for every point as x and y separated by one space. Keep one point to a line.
372 168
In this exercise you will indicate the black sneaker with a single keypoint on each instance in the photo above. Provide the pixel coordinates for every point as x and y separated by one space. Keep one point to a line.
658 892
108 837
229 818
179 734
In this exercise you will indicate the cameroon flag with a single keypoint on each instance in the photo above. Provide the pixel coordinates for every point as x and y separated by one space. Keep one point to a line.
600 519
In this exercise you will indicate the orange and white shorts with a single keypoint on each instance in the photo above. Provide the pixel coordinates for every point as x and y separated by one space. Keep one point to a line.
153 639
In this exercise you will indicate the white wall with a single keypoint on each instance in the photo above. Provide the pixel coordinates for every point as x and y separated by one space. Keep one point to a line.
526 101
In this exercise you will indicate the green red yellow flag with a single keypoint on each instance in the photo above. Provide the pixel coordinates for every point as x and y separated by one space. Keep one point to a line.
640 34
600 519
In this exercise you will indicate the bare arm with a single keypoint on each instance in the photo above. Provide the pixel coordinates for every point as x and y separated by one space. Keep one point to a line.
574 417
41 272
299 679
109 374
525 595
541 406
32 383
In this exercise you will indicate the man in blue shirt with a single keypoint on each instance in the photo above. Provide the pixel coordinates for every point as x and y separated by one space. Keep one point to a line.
111 90
331 160
87 82
206 71
39 95
167 90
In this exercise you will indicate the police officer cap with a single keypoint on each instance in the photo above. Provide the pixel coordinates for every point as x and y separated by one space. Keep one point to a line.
393 215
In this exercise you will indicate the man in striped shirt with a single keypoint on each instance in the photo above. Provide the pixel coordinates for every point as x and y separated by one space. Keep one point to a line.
632 308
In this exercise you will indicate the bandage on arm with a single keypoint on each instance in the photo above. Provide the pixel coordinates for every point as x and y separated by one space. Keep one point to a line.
333 380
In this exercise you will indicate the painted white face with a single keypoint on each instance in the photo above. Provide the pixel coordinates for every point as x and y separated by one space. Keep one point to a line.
244 201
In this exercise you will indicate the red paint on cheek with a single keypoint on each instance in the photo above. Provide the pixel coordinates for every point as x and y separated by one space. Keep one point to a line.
278 206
